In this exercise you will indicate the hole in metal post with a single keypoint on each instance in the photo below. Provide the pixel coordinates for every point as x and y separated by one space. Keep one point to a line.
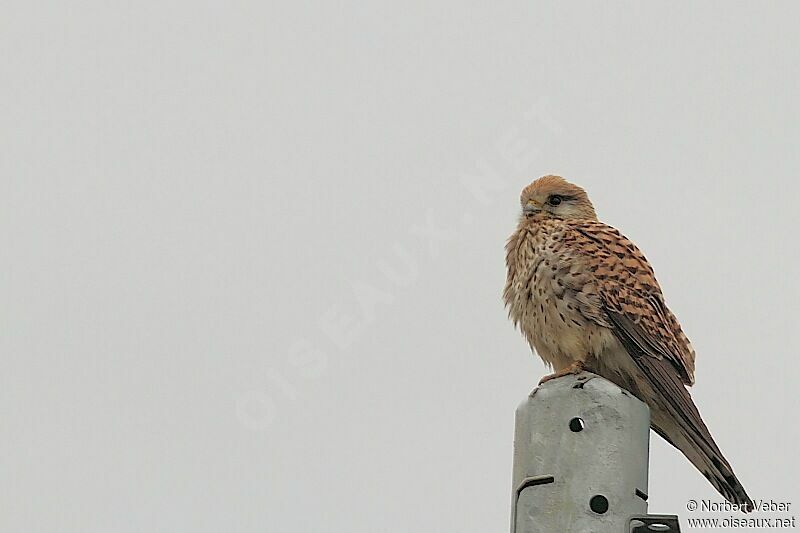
576 424
598 504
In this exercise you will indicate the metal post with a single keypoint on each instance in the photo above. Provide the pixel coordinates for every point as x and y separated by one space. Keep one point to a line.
580 460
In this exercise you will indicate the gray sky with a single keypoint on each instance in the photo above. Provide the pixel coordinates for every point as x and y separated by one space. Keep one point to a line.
253 251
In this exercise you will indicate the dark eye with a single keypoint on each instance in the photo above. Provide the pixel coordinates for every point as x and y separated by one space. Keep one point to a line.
555 200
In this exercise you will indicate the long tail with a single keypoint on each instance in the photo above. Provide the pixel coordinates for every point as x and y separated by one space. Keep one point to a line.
704 454
676 418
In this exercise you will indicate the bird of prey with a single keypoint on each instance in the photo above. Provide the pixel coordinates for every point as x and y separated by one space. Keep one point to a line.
586 298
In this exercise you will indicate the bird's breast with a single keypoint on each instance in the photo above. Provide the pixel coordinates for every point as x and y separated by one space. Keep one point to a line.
542 302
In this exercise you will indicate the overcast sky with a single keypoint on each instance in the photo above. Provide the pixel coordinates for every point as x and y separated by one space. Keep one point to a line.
253 251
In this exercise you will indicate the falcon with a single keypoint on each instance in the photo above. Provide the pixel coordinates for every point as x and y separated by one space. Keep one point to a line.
586 298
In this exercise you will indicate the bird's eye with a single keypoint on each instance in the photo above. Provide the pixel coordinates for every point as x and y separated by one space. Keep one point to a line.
555 200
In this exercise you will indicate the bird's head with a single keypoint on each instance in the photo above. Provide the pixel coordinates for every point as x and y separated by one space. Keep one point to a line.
555 197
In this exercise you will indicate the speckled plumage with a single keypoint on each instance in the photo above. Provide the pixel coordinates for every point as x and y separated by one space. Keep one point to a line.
582 293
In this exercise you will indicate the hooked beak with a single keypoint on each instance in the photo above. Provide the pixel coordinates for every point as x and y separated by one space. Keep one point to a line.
531 208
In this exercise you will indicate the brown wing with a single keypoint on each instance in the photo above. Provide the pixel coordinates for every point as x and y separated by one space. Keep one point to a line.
631 297
631 301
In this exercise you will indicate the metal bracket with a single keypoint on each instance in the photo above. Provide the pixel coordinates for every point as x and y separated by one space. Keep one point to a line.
655 523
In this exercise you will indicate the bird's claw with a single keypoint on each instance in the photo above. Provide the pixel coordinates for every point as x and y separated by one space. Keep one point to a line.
574 368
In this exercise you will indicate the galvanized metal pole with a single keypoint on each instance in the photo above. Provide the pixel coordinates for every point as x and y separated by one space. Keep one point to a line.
580 460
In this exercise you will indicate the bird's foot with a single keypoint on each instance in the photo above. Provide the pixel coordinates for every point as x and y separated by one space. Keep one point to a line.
574 368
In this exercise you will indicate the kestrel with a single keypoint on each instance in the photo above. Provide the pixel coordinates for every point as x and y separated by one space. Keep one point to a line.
585 297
